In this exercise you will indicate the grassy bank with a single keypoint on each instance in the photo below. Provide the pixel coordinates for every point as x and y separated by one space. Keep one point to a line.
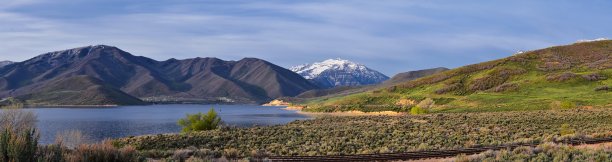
381 134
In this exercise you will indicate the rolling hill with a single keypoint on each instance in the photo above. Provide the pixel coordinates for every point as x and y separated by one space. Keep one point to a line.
561 77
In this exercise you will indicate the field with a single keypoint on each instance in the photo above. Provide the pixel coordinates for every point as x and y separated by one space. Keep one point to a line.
383 134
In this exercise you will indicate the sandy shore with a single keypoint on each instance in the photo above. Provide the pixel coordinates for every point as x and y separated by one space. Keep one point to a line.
352 113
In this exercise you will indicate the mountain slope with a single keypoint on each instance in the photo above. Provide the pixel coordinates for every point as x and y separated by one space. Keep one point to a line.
337 72
570 76
113 71
79 90
5 63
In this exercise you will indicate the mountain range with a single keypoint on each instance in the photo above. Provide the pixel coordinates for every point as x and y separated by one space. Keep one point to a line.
338 72
98 75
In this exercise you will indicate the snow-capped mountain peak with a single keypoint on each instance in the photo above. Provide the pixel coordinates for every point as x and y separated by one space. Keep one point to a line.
339 72
310 71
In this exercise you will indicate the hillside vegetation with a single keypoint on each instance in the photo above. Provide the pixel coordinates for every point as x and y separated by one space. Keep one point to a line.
561 77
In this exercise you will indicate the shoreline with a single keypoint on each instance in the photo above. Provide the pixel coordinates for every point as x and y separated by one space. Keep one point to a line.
71 106
351 113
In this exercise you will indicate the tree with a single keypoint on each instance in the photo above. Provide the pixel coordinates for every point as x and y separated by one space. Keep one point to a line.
200 122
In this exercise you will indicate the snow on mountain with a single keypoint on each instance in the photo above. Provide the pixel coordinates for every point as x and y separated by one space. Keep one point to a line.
339 72
591 40
4 63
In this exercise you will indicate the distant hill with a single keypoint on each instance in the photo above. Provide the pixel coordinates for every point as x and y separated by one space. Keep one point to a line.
561 77
338 72
412 75
102 74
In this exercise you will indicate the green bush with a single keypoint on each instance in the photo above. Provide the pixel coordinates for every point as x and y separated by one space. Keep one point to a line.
568 105
566 129
200 122
418 110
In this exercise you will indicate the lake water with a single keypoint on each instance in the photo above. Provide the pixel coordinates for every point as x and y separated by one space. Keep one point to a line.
101 123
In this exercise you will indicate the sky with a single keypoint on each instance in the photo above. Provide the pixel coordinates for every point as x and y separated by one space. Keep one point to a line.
390 36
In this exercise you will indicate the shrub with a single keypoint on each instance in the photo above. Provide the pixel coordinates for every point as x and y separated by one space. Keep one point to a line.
182 154
70 139
566 129
18 136
594 77
561 77
258 155
568 105
231 153
426 103
449 88
506 87
103 152
51 153
207 154
17 120
494 78
603 88
18 146
418 110
200 122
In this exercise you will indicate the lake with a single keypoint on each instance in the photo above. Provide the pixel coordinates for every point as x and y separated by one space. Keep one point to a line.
101 123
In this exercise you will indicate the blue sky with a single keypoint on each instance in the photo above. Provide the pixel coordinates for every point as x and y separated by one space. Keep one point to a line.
388 35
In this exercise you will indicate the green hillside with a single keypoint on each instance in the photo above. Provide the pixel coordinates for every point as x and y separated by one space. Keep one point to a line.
562 77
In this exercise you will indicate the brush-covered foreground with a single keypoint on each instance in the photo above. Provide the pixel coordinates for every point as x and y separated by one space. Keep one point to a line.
383 134
544 152
570 76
